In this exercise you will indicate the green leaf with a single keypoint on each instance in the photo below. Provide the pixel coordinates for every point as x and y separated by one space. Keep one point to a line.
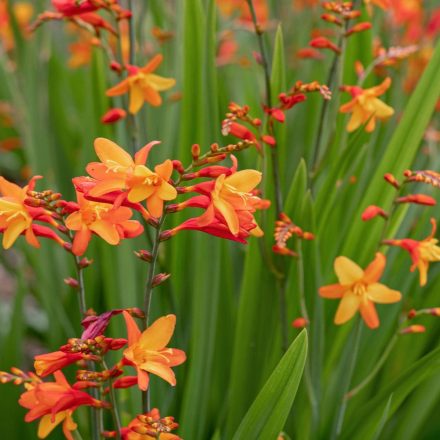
268 414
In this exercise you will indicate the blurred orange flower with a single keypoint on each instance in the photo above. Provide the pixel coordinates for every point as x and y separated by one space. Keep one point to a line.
422 252
359 290
143 85
148 352
365 106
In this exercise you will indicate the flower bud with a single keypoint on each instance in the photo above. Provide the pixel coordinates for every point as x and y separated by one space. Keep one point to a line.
419 199
416 328
412 314
373 211
116 67
324 43
72 282
113 115
85 262
159 279
391 180
195 152
300 322
359 27
144 255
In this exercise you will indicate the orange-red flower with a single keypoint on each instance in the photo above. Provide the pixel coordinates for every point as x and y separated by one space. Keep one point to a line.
148 352
118 171
359 290
111 223
48 363
17 218
151 426
422 252
365 106
231 197
143 85
54 402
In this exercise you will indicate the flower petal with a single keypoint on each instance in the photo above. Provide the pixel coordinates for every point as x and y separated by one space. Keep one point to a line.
160 369
347 271
133 332
245 180
347 308
118 89
46 425
375 269
14 229
153 64
106 230
158 334
160 83
332 291
136 98
381 294
152 96
369 314
107 150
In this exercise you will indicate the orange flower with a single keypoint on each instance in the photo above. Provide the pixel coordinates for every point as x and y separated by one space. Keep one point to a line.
366 107
422 252
151 426
118 171
359 290
231 196
148 353
48 363
54 402
143 85
111 223
15 216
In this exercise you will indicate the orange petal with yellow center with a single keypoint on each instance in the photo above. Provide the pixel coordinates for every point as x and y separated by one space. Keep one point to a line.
153 64
118 89
140 192
347 308
244 181
152 96
136 98
106 230
161 370
347 271
160 83
381 294
332 291
107 150
369 314
166 191
375 269
14 229
46 425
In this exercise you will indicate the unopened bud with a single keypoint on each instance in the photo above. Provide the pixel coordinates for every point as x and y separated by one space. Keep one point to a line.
85 262
300 322
416 328
330 18
116 67
435 311
418 199
373 211
177 165
412 314
195 152
324 43
144 255
308 236
391 180
166 235
359 27
72 282
159 279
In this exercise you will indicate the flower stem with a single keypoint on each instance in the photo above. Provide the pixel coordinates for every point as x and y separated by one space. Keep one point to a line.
375 370
114 409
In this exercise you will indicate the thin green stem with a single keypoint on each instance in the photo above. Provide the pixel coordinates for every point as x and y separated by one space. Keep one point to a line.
114 409
375 370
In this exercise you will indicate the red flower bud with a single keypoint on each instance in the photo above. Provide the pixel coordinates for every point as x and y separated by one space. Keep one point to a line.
391 180
113 115
72 282
300 322
416 328
419 199
324 43
359 27
159 279
373 211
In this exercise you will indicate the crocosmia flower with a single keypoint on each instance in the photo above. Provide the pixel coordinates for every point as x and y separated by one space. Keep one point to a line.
366 107
111 223
422 252
118 171
143 85
359 290
53 403
148 352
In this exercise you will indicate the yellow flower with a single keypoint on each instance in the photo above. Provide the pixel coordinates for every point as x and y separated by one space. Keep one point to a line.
143 85
365 106
359 290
